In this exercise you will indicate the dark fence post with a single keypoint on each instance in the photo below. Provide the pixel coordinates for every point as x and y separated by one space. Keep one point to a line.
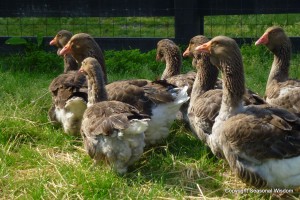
188 20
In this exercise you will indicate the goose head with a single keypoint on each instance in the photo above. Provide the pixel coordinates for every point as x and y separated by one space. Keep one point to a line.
225 54
222 50
81 45
61 39
166 47
167 51
190 50
274 38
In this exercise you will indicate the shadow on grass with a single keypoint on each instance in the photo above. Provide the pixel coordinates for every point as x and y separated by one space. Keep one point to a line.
181 163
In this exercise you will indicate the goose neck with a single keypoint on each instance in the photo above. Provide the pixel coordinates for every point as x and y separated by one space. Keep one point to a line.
206 78
233 88
280 65
173 65
96 87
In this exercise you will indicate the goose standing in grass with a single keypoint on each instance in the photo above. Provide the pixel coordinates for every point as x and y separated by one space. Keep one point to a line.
206 94
158 99
260 143
167 51
205 99
68 90
111 130
280 90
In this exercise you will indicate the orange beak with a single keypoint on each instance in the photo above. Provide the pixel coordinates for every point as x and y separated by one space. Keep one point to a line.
204 47
65 50
53 42
264 39
81 70
186 53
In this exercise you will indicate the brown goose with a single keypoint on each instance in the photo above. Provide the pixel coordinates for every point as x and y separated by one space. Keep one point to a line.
206 94
205 99
69 91
280 90
260 143
111 130
69 97
81 41
158 99
60 40
167 51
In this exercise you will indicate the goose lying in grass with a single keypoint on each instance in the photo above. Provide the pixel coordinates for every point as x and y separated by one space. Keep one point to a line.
280 90
158 99
111 130
69 97
260 143
68 90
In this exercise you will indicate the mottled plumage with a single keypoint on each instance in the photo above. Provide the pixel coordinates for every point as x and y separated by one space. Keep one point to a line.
158 99
261 143
111 130
280 90
69 98
206 94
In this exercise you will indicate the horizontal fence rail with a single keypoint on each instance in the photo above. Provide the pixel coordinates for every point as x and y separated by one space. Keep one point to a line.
188 16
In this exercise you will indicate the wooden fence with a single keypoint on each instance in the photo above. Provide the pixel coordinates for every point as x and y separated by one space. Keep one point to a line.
188 15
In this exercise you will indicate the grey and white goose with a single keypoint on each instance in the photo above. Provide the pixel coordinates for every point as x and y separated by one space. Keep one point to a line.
158 99
280 90
260 143
112 131
167 51
205 99
68 90
206 94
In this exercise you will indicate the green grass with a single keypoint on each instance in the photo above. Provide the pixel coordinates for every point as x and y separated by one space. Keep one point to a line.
39 161
230 25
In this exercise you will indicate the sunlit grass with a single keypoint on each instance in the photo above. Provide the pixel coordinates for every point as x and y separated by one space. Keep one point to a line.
39 161
231 25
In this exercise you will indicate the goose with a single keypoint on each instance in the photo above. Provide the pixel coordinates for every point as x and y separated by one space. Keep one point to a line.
69 101
280 90
206 94
68 90
85 41
260 143
167 51
158 99
205 99
112 131
60 40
